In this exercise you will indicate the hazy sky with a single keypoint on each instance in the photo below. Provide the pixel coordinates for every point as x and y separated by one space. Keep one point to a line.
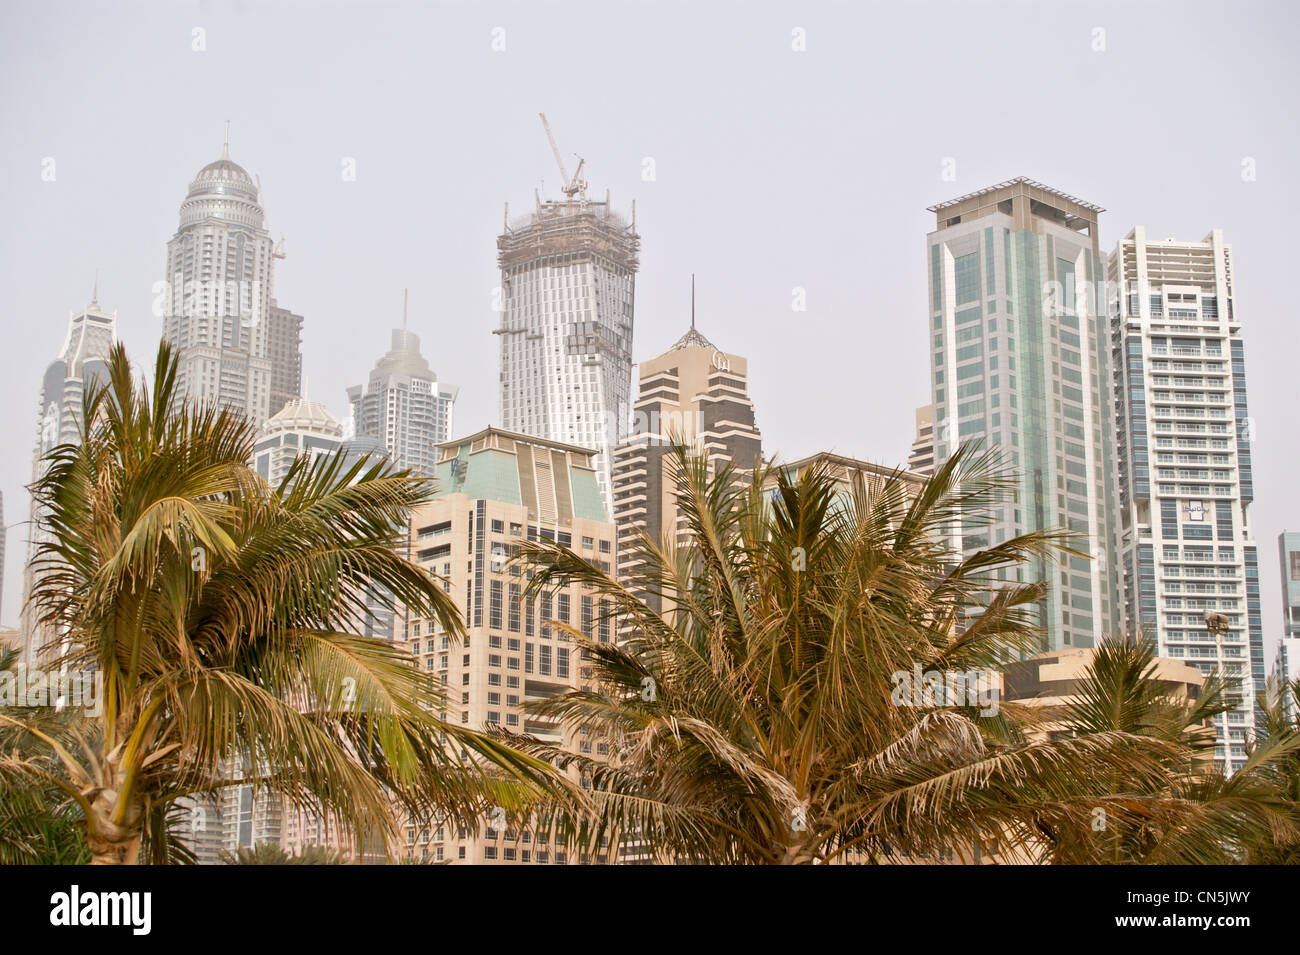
774 169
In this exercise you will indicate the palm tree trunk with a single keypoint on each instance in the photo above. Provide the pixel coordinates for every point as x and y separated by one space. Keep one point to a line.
113 843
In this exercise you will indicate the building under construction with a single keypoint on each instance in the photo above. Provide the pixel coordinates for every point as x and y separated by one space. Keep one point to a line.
568 276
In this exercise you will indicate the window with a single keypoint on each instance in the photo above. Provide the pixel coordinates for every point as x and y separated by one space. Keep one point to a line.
562 607
544 660
512 618
588 616
562 662
604 547
494 605
498 527
588 543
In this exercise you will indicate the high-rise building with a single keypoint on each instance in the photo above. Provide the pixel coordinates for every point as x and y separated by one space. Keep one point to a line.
83 359
1018 360
1288 555
698 395
1286 665
301 427
568 273
284 343
403 406
496 488
1189 565
921 460
218 299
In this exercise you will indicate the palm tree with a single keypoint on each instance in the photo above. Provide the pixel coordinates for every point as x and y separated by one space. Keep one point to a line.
1281 707
756 718
221 615
1192 813
268 853
39 827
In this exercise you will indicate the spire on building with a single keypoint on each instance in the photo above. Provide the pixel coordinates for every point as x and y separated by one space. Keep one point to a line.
692 338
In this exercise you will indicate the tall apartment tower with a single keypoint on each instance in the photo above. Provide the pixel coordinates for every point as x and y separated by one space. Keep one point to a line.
568 273
921 460
1183 447
218 301
403 406
91 334
1018 360
694 393
496 488
284 342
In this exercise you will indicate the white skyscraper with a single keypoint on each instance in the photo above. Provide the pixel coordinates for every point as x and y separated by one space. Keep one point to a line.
1189 567
218 301
403 406
568 275
83 358
300 428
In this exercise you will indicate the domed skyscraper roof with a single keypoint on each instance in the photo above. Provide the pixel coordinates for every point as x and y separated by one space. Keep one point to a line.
223 190
225 177
300 414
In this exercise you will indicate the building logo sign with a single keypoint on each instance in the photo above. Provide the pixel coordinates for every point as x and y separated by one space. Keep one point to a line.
721 361
1195 511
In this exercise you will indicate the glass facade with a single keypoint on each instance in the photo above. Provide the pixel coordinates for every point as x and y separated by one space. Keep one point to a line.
1017 365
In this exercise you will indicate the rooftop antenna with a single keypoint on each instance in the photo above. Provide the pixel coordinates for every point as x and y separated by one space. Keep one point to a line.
692 301
225 148
94 295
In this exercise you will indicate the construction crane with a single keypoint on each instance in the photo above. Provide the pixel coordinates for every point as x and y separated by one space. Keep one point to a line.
577 184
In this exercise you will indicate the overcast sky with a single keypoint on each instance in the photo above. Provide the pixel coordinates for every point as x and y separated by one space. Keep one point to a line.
773 169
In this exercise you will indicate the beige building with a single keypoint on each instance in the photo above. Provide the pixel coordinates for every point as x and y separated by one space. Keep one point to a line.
1050 680
694 394
846 470
496 489
921 460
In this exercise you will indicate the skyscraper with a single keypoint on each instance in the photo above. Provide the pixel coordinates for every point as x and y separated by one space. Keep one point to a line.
284 340
403 406
568 273
1189 565
694 393
1018 360
1286 665
91 334
1288 556
496 488
921 460
218 299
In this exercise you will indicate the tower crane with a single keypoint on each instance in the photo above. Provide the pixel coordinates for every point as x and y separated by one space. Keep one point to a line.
572 187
